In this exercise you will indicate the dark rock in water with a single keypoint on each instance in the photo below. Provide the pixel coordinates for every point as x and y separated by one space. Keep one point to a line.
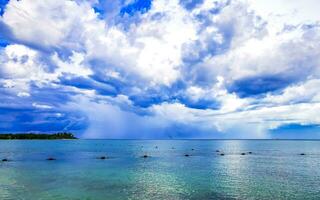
217 150
4 160
51 158
302 154
192 149
243 154
221 154
102 157
186 155
145 156
249 152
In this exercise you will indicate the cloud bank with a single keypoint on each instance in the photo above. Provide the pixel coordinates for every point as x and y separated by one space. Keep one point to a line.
161 69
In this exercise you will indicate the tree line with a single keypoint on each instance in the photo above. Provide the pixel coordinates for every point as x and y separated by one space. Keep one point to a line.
36 136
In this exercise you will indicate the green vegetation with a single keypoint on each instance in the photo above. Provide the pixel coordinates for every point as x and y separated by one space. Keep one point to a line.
37 136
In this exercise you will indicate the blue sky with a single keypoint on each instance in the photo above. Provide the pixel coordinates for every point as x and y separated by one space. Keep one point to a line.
161 69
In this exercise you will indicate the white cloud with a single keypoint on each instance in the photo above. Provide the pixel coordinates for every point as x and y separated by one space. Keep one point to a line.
208 49
19 62
151 49
295 56
303 92
21 66
283 12
75 65
248 124
54 24
23 94
41 106
230 102
162 45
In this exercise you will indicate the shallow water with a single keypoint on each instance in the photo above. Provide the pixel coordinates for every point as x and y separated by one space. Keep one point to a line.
274 170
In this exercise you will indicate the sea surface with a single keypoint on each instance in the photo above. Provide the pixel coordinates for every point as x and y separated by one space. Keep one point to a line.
274 170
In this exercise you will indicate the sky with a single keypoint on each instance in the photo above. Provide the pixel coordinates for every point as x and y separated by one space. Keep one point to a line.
161 69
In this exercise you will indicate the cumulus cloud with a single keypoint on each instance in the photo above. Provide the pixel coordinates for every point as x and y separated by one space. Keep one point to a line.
160 69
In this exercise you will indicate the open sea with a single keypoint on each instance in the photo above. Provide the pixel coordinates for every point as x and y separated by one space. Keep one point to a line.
274 170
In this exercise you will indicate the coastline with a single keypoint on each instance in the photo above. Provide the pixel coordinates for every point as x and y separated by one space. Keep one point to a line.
37 136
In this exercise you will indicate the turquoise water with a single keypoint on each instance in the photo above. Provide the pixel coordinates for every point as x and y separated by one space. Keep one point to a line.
274 170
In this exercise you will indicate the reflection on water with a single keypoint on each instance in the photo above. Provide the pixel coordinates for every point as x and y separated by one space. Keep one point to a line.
274 170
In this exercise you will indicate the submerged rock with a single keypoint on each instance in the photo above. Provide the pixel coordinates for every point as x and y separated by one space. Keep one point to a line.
145 156
186 155
192 149
102 157
217 150
5 160
50 158
221 154
302 154
243 154
249 152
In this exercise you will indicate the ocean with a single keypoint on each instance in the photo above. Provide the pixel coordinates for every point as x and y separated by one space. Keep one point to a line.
275 169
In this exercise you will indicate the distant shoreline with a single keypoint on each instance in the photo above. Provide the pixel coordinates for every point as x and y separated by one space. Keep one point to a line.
70 136
37 136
